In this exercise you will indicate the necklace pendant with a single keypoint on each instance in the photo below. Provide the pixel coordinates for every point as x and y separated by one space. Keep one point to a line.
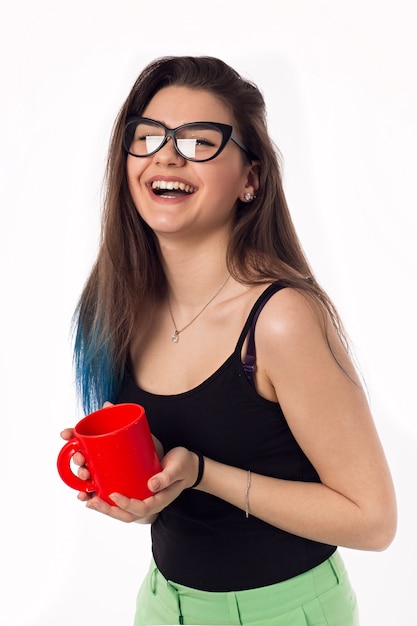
175 336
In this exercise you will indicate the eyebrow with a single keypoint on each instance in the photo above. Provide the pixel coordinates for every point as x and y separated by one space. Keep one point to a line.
183 123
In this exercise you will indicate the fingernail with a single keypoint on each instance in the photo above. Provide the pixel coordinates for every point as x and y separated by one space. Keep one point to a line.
154 484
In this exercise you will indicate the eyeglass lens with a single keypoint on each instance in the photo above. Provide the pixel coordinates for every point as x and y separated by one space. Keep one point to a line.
194 141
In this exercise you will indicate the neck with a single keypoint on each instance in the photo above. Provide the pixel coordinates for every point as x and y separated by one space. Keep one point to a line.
194 273
193 286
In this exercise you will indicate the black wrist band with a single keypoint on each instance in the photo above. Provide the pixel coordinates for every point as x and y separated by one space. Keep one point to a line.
200 469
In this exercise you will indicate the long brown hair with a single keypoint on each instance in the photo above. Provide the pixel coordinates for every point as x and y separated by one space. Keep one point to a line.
128 274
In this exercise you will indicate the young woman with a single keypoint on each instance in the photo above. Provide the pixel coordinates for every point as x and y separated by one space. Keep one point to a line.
202 308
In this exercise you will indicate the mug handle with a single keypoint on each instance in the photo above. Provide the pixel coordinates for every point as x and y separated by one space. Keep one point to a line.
64 468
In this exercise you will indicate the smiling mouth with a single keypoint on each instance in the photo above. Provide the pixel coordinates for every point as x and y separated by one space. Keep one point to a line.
175 187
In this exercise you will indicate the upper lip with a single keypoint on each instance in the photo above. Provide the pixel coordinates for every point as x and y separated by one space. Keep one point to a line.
171 183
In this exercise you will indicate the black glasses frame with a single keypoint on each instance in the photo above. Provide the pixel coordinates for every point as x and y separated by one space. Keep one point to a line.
225 129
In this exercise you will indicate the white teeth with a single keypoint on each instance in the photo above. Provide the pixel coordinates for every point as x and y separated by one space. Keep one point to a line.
172 185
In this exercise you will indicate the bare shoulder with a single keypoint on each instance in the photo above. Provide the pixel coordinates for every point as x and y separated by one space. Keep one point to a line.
296 340
291 313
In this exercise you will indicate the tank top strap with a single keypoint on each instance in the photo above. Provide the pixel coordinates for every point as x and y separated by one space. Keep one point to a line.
249 362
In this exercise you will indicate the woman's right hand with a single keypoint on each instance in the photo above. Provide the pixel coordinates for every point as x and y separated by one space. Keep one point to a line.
78 458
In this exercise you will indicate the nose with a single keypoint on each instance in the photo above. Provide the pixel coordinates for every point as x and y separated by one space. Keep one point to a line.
168 154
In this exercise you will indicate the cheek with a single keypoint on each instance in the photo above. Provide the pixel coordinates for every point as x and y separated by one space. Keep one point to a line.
229 183
134 169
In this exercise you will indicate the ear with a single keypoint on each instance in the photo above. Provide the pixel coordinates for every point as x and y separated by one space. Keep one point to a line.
252 182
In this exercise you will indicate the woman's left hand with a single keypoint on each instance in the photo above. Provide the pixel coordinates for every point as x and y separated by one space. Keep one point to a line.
179 472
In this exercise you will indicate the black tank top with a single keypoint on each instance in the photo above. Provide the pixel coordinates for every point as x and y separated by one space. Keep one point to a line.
200 540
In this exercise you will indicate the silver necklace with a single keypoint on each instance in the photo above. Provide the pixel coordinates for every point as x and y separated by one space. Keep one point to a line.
175 337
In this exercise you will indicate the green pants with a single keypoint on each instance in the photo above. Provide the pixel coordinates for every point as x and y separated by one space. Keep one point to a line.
320 597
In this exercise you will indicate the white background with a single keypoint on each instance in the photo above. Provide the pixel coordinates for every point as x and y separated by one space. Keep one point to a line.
339 80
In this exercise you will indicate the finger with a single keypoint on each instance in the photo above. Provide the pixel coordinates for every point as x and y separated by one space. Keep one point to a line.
161 481
84 496
174 469
83 473
149 506
112 511
107 404
67 433
140 509
130 505
78 459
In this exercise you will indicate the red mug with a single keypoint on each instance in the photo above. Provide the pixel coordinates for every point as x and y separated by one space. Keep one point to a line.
120 455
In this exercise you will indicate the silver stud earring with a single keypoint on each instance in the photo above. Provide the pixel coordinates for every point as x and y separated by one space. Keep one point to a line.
248 197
